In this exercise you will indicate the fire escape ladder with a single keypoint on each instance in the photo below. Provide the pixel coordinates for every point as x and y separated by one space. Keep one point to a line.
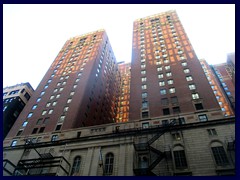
148 157
160 156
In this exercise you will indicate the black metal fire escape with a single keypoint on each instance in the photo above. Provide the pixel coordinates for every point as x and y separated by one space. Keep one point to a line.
148 157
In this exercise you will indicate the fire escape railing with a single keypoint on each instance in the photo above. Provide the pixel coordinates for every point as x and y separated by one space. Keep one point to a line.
145 167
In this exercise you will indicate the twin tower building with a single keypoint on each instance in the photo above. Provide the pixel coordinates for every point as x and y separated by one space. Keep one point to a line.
105 117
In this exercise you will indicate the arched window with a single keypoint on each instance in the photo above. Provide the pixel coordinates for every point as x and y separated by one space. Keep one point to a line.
109 164
179 157
219 154
76 165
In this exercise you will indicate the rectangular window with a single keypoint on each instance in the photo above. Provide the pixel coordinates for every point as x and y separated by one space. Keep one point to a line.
54 103
144 79
195 96
180 159
176 109
212 132
176 136
34 130
145 125
182 120
54 138
51 97
202 117
41 130
160 76
198 106
50 111
189 78
164 101
46 120
39 99
39 121
29 115
69 101
61 119
144 86
174 100
186 71
14 143
143 72
167 67
34 107
58 127
163 91
172 90
44 112
144 95
170 81
168 74
166 111
192 86
184 63
161 83
144 104
165 122
145 114
220 156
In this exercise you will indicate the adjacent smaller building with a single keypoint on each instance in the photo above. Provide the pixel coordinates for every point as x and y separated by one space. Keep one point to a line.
14 99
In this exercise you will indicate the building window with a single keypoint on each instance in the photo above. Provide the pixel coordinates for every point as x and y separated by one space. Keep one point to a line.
50 111
143 66
46 120
76 165
58 127
39 121
144 95
61 89
145 114
29 115
58 95
19 132
202 117
54 138
160 76
109 164
189 78
48 104
166 111
45 87
174 100
180 159
164 101
167 67
186 71
69 100
51 97
184 63
66 109
161 83
163 91
176 109
34 107
14 143
34 130
192 86
168 74
4 108
143 72
159 69
165 122
61 119
182 120
144 79
144 86
144 104
170 81
54 103
44 112
145 125
172 90
38 99
195 96
176 136
199 106
41 130
24 124
42 93
220 156
212 132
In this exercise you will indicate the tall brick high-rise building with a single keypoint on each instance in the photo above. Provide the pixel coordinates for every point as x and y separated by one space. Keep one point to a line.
167 79
81 88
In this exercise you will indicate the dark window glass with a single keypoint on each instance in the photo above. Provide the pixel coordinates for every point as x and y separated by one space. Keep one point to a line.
198 106
41 129
109 164
220 156
34 130
164 101
145 114
27 96
180 159
166 111
76 165
176 109
174 100
58 127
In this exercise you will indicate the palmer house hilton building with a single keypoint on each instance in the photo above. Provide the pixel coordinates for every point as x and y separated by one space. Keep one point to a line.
83 121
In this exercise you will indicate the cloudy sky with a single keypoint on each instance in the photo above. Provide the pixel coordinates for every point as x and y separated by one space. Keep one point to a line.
34 34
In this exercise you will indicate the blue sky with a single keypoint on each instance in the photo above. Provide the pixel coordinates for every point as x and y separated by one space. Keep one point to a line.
33 35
